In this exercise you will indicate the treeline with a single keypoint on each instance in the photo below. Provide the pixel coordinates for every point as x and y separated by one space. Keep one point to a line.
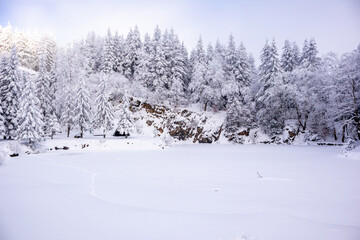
76 87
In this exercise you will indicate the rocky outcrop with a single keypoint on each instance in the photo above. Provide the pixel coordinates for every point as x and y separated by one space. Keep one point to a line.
182 124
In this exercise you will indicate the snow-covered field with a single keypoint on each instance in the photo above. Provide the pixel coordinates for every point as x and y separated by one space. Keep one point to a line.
135 190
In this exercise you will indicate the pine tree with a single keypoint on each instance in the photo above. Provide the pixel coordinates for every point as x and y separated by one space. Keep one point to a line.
309 57
159 70
24 50
177 70
143 73
231 58
29 118
242 73
54 125
108 57
287 57
82 103
126 122
104 112
44 92
2 123
119 52
132 53
215 75
90 50
11 94
47 48
66 70
238 118
198 86
296 55
4 82
270 112
67 116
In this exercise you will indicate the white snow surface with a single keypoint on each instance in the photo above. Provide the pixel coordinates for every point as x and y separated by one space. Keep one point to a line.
134 189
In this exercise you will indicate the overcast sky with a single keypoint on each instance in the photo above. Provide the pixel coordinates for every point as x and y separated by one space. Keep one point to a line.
335 24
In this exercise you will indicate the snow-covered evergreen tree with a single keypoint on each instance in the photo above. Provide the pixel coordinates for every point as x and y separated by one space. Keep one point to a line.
104 112
243 70
177 70
125 125
108 57
143 73
4 82
29 119
11 94
270 112
159 69
132 53
82 110
309 58
44 92
287 57
198 86
239 117
296 55
54 125
119 52
215 75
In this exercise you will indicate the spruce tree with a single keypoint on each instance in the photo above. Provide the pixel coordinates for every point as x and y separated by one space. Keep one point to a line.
108 57
269 106
125 125
2 123
11 94
238 118
54 125
132 53
30 124
104 112
198 86
82 112
287 58
215 75
118 48
242 73
44 92
143 73
309 59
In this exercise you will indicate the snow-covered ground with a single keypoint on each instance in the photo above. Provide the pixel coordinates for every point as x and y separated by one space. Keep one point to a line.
134 189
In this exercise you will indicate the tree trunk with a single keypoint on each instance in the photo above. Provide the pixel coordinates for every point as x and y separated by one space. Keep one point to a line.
68 131
104 133
205 106
343 134
335 137
81 132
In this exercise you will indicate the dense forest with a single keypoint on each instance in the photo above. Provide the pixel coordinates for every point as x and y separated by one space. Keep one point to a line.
45 89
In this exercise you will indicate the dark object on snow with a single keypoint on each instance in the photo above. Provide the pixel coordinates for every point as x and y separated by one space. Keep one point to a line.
330 144
78 135
84 146
14 155
63 148
118 134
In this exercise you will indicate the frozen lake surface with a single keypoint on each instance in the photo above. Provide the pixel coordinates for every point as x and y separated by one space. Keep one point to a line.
199 192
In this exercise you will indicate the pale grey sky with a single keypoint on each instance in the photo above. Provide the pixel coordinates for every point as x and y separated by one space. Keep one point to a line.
335 24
